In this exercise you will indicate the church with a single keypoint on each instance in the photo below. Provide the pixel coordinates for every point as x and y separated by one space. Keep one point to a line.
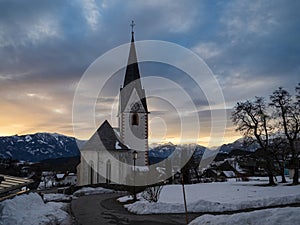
106 155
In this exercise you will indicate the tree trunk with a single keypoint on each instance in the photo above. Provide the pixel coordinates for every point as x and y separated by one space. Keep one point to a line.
283 180
271 179
281 172
270 169
296 174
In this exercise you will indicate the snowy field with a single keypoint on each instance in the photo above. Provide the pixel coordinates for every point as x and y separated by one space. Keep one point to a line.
278 216
218 197
30 209
205 197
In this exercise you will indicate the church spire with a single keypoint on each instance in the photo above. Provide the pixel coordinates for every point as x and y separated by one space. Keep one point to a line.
132 69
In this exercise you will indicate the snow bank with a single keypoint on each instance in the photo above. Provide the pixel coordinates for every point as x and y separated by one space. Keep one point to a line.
125 199
92 191
286 216
58 198
218 197
144 207
30 209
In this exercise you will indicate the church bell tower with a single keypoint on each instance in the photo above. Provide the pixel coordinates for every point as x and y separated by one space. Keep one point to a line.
133 111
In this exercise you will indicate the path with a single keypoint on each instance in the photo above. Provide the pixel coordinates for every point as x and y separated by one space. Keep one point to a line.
103 209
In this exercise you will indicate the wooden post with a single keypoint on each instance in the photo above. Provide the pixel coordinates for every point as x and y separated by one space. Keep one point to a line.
184 199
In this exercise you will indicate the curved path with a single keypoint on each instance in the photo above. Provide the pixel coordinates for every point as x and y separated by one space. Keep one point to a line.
103 209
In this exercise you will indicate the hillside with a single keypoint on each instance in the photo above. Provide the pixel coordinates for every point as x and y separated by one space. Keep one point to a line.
38 147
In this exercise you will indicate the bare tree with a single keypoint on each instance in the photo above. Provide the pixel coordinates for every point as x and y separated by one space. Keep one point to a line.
151 194
280 151
253 121
287 111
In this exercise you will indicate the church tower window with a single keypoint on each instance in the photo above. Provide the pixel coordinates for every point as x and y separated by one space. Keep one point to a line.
135 119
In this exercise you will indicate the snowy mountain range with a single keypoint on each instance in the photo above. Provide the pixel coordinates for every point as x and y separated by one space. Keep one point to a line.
238 145
42 146
161 152
38 147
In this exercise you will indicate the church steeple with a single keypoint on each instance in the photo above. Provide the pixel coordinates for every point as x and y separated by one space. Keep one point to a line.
132 70
132 78
133 111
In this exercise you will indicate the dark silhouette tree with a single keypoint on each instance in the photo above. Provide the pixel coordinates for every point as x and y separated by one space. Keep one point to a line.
287 111
253 121
280 151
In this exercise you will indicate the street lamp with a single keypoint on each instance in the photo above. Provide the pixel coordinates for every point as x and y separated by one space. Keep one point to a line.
134 155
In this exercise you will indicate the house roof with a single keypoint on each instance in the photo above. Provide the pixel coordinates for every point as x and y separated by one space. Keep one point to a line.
11 183
229 174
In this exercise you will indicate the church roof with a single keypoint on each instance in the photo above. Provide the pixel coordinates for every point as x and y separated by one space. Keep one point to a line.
109 137
132 78
104 137
132 69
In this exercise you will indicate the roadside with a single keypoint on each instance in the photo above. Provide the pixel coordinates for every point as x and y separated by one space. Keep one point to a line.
105 209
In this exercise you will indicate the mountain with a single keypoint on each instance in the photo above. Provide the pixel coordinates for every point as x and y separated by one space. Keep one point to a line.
46 146
38 147
238 145
160 152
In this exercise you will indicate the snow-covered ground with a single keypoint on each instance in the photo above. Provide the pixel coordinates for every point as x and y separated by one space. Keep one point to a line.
125 198
278 216
92 191
218 197
58 198
30 209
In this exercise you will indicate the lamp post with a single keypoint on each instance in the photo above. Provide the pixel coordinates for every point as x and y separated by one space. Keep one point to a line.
134 155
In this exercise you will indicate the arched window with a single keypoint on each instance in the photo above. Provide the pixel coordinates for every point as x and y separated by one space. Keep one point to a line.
135 119
91 172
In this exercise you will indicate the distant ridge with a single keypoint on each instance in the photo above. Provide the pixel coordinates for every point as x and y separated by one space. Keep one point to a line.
38 147
47 146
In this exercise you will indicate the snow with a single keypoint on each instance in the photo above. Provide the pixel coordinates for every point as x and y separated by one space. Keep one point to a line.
140 168
8 153
92 191
30 209
45 184
125 199
218 197
117 145
60 175
286 216
28 138
57 197
229 173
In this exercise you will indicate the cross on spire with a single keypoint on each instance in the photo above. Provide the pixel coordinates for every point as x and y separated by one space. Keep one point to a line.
132 26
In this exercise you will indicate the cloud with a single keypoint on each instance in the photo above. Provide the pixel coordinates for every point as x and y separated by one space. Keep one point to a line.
92 13
208 50
252 46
